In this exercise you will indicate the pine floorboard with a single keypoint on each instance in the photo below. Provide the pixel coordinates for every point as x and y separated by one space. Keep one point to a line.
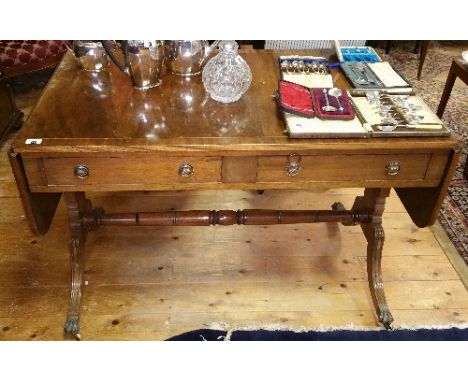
151 283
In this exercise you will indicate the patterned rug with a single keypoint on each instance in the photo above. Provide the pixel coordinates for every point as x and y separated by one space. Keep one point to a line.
454 212
445 334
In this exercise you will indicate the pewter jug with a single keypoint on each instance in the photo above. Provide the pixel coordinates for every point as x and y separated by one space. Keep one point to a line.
90 54
143 61
187 57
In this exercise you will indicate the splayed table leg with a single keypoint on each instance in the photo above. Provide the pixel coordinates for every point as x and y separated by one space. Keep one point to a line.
374 201
78 205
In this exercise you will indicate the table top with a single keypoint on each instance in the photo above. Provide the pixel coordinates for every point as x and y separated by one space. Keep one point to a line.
86 111
101 120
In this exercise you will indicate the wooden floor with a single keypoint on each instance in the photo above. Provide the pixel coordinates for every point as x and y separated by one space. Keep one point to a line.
153 283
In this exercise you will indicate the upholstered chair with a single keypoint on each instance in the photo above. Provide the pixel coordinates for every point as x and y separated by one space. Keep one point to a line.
25 56
19 57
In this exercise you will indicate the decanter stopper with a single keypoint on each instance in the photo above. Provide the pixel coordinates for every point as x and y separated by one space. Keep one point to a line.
227 76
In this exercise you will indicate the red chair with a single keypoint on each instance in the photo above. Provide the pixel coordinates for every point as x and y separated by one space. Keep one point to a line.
19 57
10 115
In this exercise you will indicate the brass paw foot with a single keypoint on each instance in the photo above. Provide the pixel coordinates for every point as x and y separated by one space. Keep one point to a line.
338 206
386 319
72 327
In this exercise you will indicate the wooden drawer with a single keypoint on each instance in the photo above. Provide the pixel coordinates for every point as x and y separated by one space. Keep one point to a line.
329 168
130 170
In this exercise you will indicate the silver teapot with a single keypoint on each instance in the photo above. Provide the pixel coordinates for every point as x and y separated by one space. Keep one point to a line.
89 54
143 61
187 57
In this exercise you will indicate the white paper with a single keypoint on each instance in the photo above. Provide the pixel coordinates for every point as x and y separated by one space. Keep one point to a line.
386 74
310 80
308 126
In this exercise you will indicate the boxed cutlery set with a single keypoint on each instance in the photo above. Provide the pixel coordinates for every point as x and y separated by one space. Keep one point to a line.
397 115
306 70
317 112
359 54
382 102
355 53
376 75
324 103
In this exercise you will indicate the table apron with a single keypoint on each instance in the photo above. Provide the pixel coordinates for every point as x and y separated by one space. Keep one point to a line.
293 171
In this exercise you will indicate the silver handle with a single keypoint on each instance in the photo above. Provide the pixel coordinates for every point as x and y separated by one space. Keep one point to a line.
81 171
392 168
185 170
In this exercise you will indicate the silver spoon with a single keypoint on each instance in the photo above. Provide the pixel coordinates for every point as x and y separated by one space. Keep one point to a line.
360 66
336 92
359 80
415 117
328 108
392 127
366 77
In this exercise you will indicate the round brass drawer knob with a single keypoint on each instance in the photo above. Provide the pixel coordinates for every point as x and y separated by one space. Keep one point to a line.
185 170
392 168
81 171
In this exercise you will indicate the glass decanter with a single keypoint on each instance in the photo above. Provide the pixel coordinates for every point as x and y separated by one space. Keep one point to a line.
227 76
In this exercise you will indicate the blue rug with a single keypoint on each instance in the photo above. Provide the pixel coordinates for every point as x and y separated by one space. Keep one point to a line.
450 334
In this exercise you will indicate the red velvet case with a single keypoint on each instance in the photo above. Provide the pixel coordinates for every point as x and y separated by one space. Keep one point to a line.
296 99
320 100
305 102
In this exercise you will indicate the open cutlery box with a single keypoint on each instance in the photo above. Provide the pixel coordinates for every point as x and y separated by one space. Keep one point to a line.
302 93
358 54
378 75
302 111
309 71
311 110
324 103
355 53
317 112
373 118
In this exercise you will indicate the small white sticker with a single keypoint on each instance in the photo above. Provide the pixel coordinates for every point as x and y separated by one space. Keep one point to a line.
33 141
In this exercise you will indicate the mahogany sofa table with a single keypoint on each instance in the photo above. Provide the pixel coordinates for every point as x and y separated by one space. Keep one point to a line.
94 132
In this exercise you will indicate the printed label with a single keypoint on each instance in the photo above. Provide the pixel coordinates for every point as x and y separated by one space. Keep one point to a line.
33 141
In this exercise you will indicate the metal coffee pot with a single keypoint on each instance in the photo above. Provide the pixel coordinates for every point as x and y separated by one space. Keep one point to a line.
187 57
89 54
143 61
